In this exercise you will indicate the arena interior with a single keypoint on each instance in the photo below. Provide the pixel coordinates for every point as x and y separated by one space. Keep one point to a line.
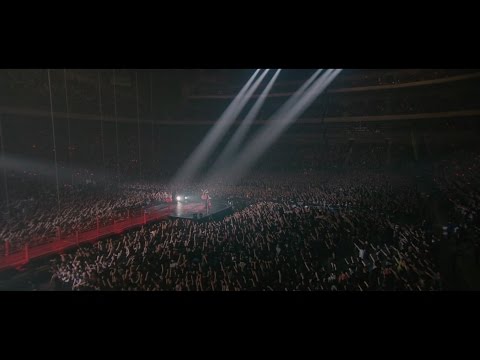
240 179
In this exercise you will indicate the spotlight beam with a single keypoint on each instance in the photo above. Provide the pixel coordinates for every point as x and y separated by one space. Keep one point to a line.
214 136
246 123
286 106
292 99
284 118
283 109
44 169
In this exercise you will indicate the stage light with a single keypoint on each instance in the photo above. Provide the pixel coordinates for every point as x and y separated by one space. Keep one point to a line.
280 121
186 197
242 130
179 198
215 134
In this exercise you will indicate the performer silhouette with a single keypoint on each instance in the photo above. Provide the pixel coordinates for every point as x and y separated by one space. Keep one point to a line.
206 197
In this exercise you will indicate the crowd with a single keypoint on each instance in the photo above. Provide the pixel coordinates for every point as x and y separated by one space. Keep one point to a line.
330 229
35 217
316 230
458 178
39 218
325 231
266 246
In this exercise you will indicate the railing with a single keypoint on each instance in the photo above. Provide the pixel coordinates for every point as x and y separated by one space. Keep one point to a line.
44 246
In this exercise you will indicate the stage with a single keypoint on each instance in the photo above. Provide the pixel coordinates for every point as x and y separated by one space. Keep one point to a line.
197 211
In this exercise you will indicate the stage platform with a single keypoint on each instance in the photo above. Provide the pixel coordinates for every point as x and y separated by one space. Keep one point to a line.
196 211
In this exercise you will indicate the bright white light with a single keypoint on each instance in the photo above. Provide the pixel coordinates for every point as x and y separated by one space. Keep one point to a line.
221 127
281 120
186 197
179 198
245 125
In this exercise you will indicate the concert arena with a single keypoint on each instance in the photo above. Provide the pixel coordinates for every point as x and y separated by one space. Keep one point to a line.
240 180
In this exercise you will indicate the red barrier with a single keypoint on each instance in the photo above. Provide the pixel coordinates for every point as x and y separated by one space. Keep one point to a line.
57 243
26 253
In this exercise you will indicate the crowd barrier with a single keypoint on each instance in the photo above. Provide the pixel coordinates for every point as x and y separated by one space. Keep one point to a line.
44 246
